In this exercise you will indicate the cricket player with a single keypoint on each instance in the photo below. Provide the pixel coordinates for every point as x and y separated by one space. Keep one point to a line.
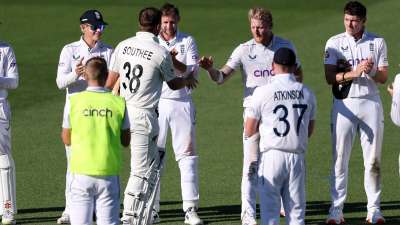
357 108
394 91
96 126
254 59
283 112
8 80
71 70
143 65
177 112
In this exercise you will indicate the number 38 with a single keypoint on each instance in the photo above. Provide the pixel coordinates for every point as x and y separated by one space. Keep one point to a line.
133 75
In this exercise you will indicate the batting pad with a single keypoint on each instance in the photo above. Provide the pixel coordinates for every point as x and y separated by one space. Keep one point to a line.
7 184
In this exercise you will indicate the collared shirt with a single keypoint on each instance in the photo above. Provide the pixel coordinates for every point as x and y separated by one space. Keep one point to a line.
186 47
70 56
67 122
255 62
143 65
344 46
284 108
8 69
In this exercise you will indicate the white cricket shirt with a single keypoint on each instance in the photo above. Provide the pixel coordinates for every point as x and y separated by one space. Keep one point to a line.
188 55
143 65
343 46
8 69
255 62
284 108
395 109
70 55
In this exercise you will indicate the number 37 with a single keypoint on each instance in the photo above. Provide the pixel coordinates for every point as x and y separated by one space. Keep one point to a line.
283 118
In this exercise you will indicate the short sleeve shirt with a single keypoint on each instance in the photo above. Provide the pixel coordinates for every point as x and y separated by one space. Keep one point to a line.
255 62
284 108
186 47
143 65
344 46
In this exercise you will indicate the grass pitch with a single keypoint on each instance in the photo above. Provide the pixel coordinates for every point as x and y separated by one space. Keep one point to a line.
39 29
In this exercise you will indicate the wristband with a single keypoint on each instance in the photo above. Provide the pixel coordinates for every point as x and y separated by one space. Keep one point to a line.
343 79
220 78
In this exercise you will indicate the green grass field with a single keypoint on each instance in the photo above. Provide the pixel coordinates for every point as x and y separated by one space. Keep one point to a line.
39 29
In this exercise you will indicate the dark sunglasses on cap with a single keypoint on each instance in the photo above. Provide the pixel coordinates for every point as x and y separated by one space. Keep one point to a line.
94 28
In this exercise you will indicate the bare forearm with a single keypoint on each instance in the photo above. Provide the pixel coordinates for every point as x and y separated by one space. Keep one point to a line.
381 75
178 65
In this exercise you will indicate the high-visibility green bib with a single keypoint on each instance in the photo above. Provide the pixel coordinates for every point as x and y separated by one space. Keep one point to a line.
96 120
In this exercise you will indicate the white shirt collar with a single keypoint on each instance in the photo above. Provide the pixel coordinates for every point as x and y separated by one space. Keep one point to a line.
266 46
364 35
147 35
170 42
83 43
284 76
97 89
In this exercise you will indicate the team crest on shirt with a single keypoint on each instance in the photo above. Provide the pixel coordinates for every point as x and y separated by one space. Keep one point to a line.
76 57
371 47
345 49
182 47
252 57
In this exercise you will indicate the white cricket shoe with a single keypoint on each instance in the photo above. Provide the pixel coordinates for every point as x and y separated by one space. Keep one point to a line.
155 218
8 218
64 219
335 216
248 220
375 217
192 218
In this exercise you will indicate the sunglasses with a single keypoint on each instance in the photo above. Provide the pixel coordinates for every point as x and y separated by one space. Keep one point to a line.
94 28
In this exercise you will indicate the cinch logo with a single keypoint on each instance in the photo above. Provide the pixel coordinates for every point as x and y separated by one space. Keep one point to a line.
263 73
97 112
355 61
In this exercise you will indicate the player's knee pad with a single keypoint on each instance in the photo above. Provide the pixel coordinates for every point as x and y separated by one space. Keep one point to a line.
7 184
140 194
188 167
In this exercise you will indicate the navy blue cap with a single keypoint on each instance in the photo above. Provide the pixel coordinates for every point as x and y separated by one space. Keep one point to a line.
93 17
285 56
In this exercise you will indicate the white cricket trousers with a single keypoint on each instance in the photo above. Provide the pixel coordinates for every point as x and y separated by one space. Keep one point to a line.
144 133
7 165
349 116
179 115
282 174
68 156
99 194
249 172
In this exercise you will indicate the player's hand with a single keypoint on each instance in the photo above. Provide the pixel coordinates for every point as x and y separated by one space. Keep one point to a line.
191 81
173 53
115 89
368 65
80 68
390 89
206 62
360 69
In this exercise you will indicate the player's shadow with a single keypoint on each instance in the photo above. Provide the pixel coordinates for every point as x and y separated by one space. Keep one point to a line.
317 210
